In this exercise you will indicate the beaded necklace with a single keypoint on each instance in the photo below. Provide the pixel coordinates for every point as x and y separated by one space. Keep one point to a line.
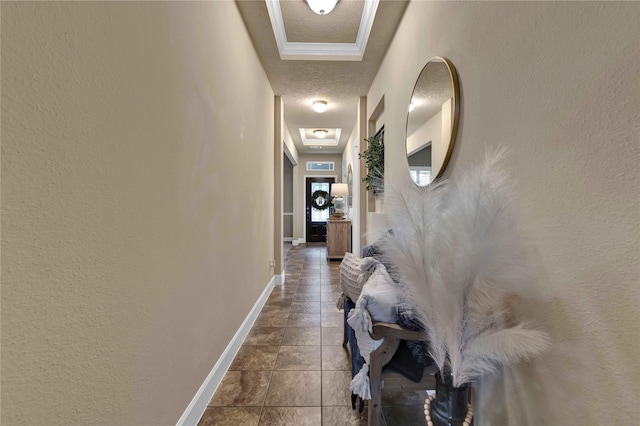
427 412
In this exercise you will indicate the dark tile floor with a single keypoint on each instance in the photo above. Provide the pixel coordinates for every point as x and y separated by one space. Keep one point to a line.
292 368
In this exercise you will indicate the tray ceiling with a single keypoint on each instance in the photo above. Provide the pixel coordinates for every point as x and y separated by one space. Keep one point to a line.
319 68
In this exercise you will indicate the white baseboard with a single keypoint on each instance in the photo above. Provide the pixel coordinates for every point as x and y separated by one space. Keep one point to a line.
279 279
198 405
298 241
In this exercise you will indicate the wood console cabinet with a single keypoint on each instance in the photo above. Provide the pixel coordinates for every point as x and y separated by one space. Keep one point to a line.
338 238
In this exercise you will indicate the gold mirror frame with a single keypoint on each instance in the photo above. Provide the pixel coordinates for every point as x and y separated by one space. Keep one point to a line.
436 85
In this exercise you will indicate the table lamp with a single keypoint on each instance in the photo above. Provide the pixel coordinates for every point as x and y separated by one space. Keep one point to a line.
339 192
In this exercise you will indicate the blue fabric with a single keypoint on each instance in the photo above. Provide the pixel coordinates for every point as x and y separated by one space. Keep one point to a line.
408 318
356 359
375 250
410 358
407 315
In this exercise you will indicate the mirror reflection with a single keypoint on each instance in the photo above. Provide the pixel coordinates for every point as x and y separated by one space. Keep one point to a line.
432 121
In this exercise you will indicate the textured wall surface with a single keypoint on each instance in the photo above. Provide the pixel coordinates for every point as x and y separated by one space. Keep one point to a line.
557 83
137 202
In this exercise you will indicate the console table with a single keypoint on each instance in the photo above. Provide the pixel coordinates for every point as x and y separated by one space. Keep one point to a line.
338 238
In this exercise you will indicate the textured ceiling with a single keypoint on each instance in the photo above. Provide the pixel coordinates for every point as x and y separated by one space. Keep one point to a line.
300 82
340 26
433 88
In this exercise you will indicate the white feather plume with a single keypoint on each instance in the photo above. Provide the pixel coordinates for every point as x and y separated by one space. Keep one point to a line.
487 351
460 249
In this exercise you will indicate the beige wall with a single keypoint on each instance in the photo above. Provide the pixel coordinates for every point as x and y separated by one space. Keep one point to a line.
137 205
558 84
287 198
298 213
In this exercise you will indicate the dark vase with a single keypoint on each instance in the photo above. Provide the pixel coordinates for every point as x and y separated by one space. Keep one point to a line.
449 407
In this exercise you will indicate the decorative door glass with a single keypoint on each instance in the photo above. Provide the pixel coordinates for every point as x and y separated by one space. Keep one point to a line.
320 190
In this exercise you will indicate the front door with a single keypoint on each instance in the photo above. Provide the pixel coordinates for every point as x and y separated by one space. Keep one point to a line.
318 208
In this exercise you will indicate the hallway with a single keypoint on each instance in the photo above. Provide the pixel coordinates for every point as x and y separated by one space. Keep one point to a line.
292 368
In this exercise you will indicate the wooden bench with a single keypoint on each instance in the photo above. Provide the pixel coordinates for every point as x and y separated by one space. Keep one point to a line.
386 378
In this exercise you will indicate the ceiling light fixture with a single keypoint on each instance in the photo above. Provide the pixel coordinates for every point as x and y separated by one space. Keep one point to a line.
320 106
322 7
320 133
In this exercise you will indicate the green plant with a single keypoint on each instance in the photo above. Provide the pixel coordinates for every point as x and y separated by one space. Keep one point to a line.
374 157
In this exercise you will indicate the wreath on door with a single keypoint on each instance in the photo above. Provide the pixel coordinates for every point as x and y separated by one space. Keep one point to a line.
320 200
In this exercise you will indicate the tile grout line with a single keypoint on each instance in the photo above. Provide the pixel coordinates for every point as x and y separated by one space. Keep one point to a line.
262 410
321 369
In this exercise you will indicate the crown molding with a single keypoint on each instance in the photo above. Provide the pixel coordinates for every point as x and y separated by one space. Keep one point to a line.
322 51
318 141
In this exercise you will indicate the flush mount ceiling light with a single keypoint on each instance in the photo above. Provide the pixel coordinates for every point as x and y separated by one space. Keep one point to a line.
320 133
304 51
320 106
309 138
322 7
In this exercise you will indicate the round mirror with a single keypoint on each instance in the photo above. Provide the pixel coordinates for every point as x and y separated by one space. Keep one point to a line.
432 121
